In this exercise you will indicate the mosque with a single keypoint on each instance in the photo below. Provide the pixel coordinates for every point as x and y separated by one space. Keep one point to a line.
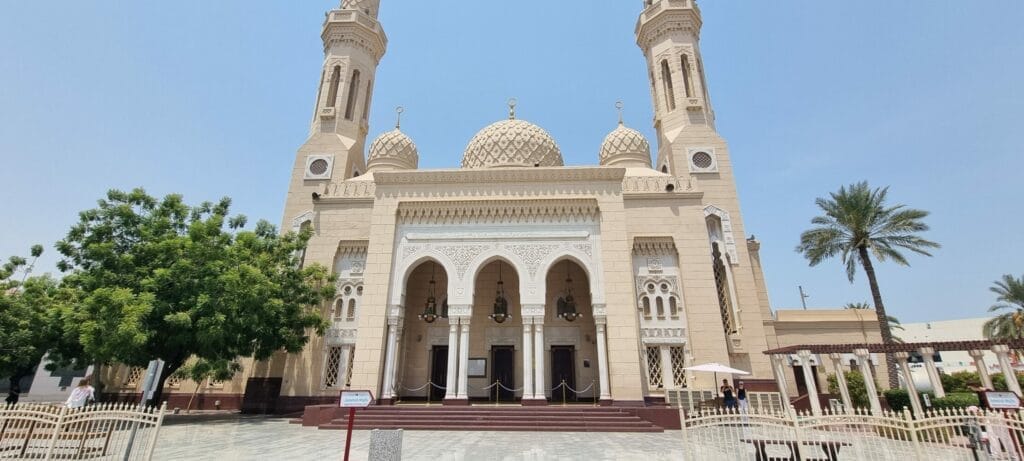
511 275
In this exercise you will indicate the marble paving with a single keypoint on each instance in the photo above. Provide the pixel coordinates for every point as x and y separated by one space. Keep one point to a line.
260 438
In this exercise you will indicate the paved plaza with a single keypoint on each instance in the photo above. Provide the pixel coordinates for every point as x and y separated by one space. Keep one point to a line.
264 438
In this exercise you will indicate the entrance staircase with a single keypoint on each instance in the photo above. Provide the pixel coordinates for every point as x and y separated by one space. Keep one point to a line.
484 418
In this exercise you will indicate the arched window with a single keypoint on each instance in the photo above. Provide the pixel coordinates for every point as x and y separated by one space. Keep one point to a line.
670 94
673 309
664 169
305 226
320 91
353 94
338 308
332 94
722 285
351 314
647 307
687 85
366 101
661 307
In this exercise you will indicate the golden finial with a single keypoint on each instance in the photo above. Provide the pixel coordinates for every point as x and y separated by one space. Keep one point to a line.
619 106
512 108
398 122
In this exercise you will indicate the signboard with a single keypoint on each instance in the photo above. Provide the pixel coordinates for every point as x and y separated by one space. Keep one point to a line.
356 399
153 373
1002 400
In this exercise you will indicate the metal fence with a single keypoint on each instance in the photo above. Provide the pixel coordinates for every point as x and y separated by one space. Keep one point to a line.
102 432
940 435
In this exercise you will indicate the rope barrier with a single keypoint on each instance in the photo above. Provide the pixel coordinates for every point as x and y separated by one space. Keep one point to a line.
507 389
591 386
423 386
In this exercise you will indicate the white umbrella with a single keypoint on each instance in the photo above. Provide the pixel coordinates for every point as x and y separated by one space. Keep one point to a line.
716 368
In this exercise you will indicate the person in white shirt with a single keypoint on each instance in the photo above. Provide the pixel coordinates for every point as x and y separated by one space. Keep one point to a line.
82 394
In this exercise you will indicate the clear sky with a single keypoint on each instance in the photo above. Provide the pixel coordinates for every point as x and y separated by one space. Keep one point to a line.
212 98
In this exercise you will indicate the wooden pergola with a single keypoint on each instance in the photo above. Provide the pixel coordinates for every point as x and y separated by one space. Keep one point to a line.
901 352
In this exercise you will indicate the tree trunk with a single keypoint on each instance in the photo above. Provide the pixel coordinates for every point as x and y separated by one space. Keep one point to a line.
883 317
158 395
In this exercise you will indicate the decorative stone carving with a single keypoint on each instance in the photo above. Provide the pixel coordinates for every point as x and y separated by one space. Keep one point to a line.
337 336
297 221
727 235
532 254
532 310
654 264
663 335
462 255
600 310
512 143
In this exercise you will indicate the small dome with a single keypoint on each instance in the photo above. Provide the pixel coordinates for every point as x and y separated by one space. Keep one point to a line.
393 151
512 143
625 147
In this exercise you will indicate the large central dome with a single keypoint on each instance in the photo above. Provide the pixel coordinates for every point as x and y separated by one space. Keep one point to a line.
512 143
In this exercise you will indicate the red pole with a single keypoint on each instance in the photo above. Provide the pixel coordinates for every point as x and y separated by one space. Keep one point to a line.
348 438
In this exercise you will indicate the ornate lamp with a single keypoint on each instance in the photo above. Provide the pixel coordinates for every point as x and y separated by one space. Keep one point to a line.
500 314
567 304
429 314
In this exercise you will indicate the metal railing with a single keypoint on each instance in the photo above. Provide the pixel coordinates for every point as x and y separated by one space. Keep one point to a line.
953 434
109 431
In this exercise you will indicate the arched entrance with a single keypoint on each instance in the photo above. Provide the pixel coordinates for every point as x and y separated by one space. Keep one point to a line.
494 367
569 361
423 365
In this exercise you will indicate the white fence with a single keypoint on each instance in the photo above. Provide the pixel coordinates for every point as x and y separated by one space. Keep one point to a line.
100 432
940 435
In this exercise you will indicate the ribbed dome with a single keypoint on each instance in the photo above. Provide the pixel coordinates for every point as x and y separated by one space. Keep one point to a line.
393 151
625 147
512 143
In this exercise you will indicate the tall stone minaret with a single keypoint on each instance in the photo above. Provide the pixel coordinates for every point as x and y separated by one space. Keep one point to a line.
668 32
354 43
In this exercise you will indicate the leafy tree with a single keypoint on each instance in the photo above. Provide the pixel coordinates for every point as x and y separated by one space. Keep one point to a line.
855 384
1009 324
29 316
894 323
857 225
202 372
162 279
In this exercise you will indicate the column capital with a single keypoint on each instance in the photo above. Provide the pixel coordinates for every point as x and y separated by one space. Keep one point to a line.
927 351
527 322
464 321
861 353
458 311
804 354
1001 349
532 310
976 354
600 310
600 320
901 356
835 356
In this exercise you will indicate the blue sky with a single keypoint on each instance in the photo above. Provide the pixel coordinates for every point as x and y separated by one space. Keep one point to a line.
213 98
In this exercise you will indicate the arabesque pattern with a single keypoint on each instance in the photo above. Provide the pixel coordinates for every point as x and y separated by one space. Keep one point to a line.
625 143
512 143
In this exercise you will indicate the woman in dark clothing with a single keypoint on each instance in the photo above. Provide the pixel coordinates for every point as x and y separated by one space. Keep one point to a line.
741 396
727 394
13 394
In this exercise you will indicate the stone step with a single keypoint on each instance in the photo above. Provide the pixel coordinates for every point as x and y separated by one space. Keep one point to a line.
503 423
435 427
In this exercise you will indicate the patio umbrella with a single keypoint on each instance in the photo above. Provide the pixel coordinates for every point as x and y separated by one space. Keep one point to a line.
716 368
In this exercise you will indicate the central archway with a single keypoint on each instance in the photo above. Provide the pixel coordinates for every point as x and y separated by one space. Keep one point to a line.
495 340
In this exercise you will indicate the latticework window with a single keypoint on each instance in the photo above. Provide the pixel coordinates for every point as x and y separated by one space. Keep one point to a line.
135 375
215 384
331 367
348 366
722 284
174 382
654 368
678 373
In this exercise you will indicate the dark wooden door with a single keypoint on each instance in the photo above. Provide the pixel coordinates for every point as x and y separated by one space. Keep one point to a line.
563 367
503 368
801 385
438 371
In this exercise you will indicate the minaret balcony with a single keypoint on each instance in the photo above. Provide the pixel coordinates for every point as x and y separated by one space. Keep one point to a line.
694 104
328 112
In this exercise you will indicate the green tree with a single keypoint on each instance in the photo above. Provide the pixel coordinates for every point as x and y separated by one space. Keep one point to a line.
855 384
894 323
857 225
162 279
1009 324
201 372
29 316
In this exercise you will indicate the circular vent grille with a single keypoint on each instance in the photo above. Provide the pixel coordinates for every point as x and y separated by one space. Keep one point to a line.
702 160
318 167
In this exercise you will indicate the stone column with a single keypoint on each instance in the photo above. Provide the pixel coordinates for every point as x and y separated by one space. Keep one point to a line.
779 369
844 390
1003 355
812 387
927 354
602 359
464 359
451 393
527 358
979 363
343 364
540 389
389 359
667 380
908 377
864 360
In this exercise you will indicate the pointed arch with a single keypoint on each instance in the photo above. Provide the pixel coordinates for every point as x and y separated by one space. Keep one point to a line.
353 95
723 223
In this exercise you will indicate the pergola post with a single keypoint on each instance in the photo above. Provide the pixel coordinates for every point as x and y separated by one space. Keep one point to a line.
812 386
844 390
863 357
908 378
979 363
928 355
779 370
1003 354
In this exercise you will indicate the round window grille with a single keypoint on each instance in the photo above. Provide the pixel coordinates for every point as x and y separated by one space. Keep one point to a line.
359 289
664 287
348 290
650 287
318 167
702 160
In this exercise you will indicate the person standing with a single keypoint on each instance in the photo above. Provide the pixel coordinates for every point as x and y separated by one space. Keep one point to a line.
727 394
82 394
13 394
741 396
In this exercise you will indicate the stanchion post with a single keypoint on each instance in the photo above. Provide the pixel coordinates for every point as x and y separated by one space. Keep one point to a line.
595 392
430 390
563 392
497 392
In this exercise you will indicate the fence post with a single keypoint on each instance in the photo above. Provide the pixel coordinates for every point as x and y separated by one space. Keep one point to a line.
151 446
56 433
798 431
682 427
908 419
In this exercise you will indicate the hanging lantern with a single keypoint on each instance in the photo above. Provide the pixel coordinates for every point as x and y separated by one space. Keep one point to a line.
500 314
567 304
429 314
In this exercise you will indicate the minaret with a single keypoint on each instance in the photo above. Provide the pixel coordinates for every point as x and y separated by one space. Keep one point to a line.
354 43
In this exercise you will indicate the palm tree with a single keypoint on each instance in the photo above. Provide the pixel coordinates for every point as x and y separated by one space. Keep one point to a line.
1007 325
858 224
894 323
